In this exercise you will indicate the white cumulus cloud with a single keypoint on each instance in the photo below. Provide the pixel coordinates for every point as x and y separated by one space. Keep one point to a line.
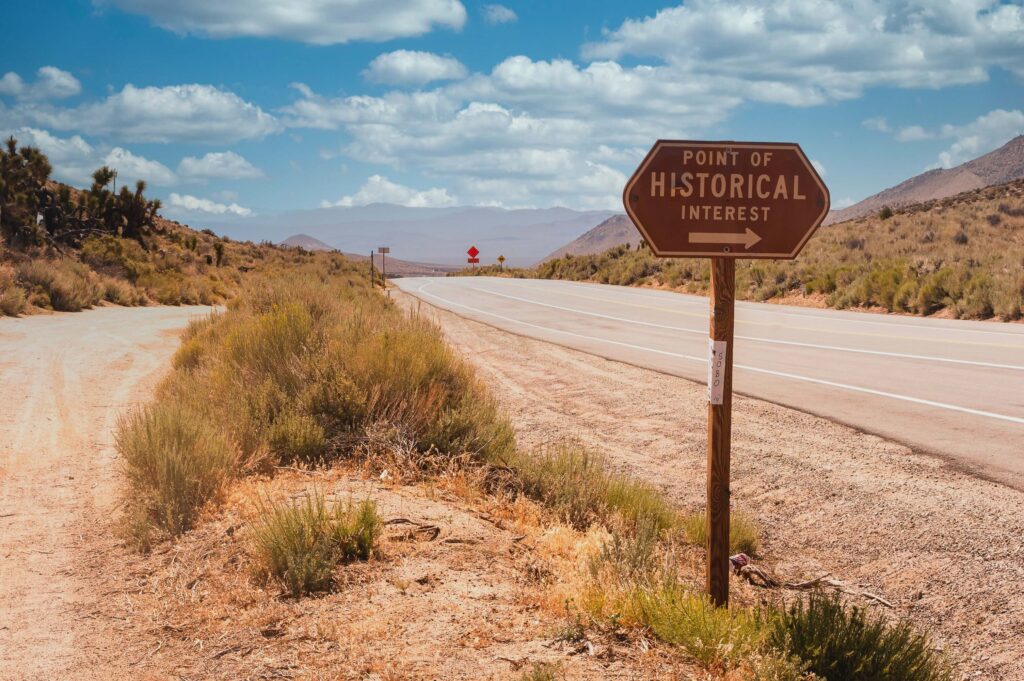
226 165
195 204
826 50
174 113
320 22
406 67
50 83
131 167
499 14
380 189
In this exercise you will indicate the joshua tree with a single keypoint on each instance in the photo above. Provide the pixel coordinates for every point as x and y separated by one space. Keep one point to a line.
23 172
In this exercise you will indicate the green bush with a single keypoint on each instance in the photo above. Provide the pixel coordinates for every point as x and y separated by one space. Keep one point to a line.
301 543
842 643
175 461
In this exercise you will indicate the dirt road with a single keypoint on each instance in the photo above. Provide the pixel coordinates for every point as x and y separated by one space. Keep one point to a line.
64 378
943 546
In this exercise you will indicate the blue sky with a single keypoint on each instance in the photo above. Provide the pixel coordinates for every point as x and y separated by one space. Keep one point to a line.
240 108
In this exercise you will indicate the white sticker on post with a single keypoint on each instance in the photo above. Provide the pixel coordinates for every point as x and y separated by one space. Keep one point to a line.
716 370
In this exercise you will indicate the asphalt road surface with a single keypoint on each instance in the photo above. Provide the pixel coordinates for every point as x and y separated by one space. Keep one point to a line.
947 387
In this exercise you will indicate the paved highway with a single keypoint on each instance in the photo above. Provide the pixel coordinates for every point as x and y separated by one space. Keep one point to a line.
951 388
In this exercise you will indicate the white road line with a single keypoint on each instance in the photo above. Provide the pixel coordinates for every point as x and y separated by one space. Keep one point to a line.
703 360
691 299
799 344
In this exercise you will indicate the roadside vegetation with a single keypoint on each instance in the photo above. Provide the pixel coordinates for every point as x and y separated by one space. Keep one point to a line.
961 256
309 369
70 249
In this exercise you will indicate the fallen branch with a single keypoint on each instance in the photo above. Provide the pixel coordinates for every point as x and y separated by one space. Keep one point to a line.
742 567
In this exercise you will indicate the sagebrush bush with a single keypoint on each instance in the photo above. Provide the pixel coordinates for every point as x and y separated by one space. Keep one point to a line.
175 461
300 543
65 285
579 484
845 643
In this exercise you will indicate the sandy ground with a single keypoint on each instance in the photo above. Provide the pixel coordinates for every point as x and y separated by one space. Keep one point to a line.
946 548
64 378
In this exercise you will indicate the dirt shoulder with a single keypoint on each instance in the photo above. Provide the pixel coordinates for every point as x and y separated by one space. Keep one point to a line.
944 547
65 378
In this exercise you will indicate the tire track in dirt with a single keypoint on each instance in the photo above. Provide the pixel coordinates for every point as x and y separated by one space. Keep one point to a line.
65 379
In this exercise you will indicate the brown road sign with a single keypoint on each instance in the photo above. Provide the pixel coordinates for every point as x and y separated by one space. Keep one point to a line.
726 199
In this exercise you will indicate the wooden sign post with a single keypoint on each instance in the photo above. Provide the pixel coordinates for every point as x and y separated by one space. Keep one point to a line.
723 201
383 250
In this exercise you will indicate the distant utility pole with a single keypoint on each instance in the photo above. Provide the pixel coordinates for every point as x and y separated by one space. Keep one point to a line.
383 250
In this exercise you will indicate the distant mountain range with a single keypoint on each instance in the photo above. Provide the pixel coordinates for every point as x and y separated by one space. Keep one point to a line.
394 266
430 235
996 167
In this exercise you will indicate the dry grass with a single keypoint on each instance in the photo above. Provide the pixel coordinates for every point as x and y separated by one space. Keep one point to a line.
578 484
175 462
744 537
306 362
60 284
301 542
13 300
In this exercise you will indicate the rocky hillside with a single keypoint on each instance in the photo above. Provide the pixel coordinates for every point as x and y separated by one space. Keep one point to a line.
614 231
997 167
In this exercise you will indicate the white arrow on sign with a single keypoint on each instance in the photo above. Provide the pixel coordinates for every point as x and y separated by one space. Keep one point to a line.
748 238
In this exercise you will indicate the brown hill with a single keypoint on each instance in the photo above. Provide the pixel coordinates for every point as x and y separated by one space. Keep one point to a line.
307 242
614 231
996 167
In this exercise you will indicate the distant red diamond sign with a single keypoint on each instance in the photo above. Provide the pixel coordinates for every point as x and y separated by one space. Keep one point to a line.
473 252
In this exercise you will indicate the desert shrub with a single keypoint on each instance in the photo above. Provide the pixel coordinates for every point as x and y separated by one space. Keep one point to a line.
744 537
13 300
120 292
841 643
66 285
297 437
413 379
718 638
885 213
578 484
960 238
116 256
175 462
301 543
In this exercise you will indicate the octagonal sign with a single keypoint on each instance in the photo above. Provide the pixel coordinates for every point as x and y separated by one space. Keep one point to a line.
726 199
